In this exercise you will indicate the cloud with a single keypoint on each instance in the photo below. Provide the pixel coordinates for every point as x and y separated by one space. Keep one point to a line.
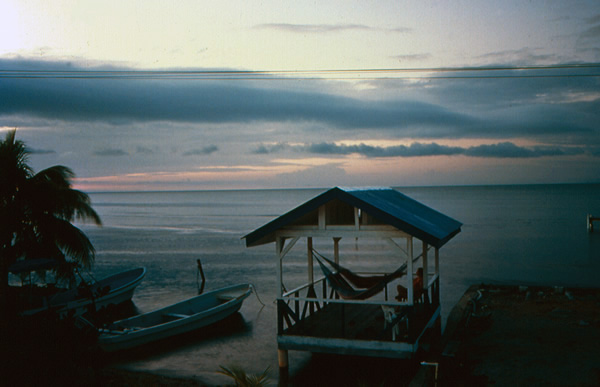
123 101
594 19
510 150
414 150
412 57
591 33
36 151
326 28
110 152
522 56
203 151
417 149
312 28
501 109
143 150
263 149
594 31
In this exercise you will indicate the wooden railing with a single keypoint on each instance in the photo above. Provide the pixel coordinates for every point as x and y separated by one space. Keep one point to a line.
302 302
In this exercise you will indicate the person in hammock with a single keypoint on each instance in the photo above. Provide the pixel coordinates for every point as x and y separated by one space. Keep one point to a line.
417 287
361 281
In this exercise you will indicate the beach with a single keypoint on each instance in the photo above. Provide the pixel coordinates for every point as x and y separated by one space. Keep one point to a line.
519 335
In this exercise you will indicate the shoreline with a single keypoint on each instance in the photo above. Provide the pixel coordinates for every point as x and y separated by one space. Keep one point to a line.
519 335
531 335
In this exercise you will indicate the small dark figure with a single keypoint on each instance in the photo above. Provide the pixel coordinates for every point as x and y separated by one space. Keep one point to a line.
417 287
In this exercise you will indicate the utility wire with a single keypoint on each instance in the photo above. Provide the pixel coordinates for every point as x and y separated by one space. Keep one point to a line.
546 71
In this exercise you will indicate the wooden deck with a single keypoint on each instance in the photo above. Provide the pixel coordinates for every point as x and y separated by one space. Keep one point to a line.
361 322
358 329
342 321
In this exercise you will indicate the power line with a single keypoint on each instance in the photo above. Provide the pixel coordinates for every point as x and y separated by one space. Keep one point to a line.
483 72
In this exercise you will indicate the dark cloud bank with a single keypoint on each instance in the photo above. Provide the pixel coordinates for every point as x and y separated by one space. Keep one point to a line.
482 108
417 149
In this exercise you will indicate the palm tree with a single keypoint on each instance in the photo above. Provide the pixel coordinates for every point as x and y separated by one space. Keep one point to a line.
36 211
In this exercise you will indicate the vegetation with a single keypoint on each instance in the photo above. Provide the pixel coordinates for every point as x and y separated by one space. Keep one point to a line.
36 211
242 379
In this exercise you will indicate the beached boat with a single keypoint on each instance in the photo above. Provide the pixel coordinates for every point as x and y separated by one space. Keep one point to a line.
112 290
182 317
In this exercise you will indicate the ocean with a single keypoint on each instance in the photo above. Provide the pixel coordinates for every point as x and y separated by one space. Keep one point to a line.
520 234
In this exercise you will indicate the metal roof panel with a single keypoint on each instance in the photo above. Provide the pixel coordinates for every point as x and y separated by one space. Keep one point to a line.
386 204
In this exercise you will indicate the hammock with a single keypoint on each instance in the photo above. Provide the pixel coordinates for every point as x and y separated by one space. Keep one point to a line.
364 286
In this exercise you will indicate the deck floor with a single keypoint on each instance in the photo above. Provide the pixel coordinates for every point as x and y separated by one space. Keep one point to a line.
346 321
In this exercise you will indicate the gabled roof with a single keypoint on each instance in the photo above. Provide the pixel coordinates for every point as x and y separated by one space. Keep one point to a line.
385 204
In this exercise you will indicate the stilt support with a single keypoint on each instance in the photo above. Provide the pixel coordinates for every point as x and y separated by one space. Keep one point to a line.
282 357
590 222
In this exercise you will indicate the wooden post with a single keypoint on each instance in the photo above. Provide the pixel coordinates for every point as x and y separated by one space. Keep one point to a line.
201 272
310 293
279 241
425 265
437 261
309 252
425 287
283 360
336 250
409 270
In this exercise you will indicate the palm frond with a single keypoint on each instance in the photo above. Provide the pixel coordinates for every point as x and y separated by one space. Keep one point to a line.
52 188
14 170
242 379
36 212
69 239
57 174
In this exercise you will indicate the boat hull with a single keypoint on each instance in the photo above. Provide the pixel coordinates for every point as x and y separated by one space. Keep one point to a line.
183 317
112 290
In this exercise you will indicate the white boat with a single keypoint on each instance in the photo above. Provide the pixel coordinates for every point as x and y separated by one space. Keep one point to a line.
182 317
112 290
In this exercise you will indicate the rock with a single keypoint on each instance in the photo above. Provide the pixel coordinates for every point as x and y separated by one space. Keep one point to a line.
561 312
569 295
559 290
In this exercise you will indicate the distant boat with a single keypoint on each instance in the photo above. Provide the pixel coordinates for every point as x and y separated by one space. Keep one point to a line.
112 290
182 317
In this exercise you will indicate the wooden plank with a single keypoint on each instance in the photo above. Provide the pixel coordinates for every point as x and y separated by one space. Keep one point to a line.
342 232
398 350
360 322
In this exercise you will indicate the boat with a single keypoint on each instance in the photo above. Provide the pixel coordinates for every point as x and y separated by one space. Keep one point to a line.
112 290
182 317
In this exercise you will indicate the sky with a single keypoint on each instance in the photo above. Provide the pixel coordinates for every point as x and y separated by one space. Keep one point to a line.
186 95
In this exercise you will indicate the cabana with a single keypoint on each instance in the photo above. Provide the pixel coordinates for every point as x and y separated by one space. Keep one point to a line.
361 315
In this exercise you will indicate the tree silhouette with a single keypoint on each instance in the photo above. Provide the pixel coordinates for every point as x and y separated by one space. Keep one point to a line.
36 211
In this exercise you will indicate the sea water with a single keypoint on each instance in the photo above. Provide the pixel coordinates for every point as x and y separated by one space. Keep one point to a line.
522 234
